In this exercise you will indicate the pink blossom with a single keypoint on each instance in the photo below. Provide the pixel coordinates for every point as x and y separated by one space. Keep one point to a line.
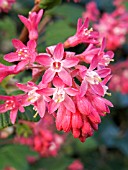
13 104
55 64
25 54
31 23
5 5
34 98
83 35
6 70
92 12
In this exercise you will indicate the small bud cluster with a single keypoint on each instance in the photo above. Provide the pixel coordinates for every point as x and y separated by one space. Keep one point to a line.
72 87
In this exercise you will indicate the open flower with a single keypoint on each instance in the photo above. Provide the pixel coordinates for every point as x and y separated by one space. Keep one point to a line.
13 104
57 65
25 54
83 35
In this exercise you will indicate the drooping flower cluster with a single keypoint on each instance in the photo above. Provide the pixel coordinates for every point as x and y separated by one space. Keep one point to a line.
72 87
113 26
119 81
43 138
5 5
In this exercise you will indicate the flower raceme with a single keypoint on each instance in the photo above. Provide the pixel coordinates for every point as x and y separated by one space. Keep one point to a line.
72 86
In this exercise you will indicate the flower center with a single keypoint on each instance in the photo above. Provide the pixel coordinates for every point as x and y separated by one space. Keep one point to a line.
33 96
10 104
23 53
92 77
56 66
59 95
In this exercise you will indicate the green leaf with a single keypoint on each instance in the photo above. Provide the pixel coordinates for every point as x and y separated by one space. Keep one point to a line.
15 156
58 163
3 61
58 32
69 12
27 115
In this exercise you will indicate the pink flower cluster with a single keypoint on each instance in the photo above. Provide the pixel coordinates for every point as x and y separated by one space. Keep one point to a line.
72 87
119 81
5 5
43 139
113 26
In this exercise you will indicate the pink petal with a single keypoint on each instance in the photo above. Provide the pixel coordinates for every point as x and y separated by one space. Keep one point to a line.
83 88
25 21
83 105
23 87
58 52
94 62
21 65
39 15
70 62
69 104
98 89
44 59
66 77
50 49
18 44
71 91
46 91
53 106
31 44
59 117
48 76
3 109
41 107
11 57
13 114
57 82
104 72
66 121
79 24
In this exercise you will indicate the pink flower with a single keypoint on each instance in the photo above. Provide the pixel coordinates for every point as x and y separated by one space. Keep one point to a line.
92 12
83 35
25 54
13 104
5 5
6 70
57 65
31 23
61 96
34 98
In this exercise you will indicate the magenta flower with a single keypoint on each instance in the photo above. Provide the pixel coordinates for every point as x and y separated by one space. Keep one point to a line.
6 70
31 23
57 65
61 96
83 35
34 98
93 78
25 54
13 104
